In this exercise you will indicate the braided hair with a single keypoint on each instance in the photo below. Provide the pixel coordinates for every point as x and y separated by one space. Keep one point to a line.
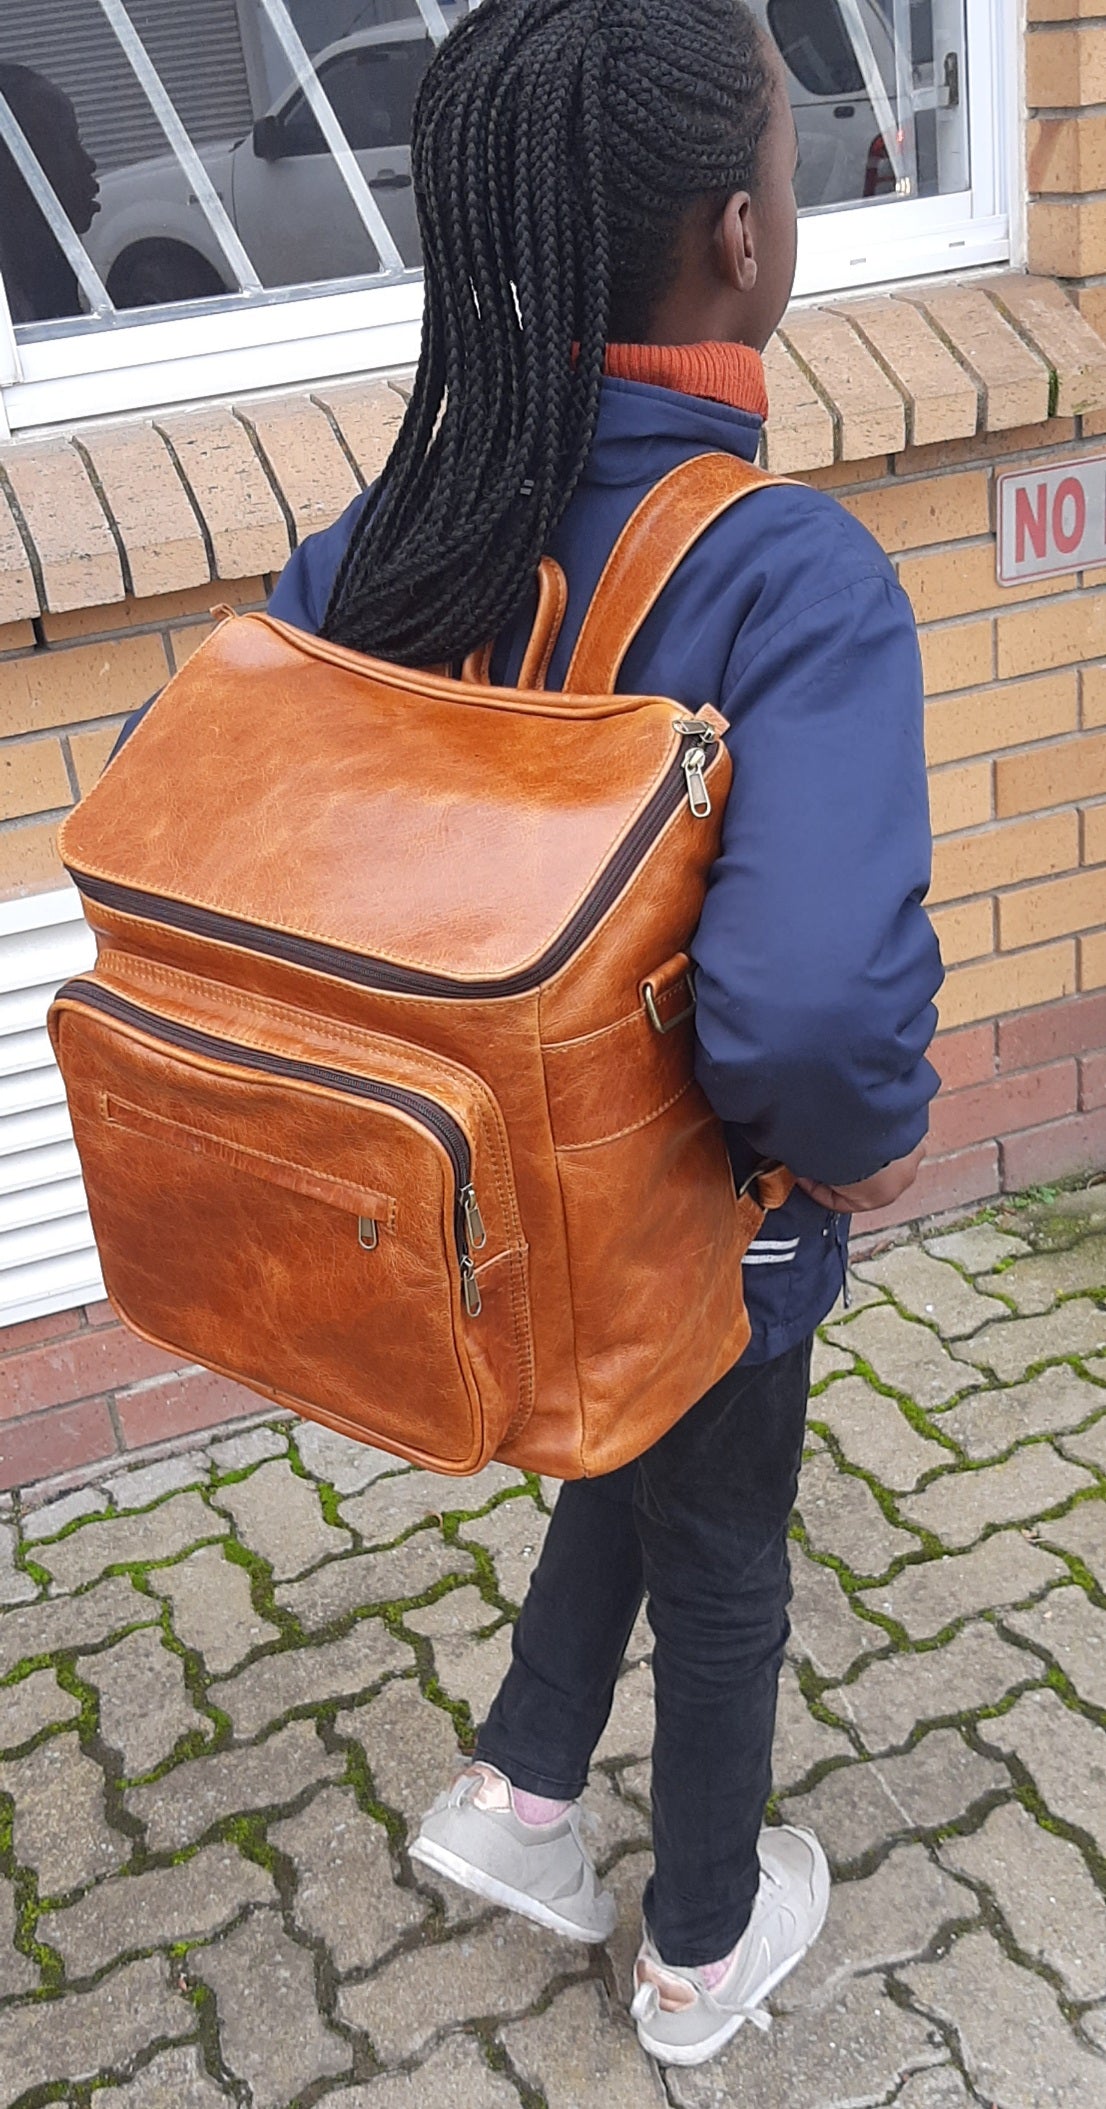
557 145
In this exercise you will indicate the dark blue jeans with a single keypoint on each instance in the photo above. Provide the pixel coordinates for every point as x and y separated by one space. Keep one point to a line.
698 1526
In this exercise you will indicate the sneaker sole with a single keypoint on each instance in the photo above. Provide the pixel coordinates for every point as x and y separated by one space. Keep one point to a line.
698 2053
473 1878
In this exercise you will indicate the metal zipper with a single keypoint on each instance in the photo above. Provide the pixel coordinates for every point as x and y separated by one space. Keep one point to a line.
469 1228
344 965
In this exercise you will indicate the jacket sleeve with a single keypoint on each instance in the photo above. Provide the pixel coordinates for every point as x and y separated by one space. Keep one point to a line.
817 964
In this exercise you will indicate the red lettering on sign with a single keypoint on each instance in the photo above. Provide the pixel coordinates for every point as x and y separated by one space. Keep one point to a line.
1067 538
1031 522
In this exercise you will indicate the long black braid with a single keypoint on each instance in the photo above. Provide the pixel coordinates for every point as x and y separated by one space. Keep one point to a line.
557 145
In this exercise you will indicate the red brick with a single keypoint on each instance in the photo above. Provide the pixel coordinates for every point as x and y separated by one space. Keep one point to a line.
102 1313
59 1441
1092 1082
91 1363
32 1331
965 1057
1075 1026
942 1183
182 1406
1077 1144
1003 1106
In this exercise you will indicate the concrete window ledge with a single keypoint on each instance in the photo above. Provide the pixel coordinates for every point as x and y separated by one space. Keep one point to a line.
155 505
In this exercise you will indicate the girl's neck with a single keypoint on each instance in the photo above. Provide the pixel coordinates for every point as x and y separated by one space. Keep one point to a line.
723 373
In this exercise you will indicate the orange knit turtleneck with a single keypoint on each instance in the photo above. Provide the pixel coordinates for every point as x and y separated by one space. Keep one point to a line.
723 373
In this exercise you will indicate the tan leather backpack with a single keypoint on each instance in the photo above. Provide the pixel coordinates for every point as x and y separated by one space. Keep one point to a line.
383 1082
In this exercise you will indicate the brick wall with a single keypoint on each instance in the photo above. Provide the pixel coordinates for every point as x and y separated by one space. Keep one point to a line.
116 541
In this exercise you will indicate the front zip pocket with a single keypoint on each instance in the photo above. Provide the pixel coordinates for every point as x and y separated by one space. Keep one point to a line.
311 1227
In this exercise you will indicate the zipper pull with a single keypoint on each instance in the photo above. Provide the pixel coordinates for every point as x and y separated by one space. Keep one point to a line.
474 1222
470 1289
695 763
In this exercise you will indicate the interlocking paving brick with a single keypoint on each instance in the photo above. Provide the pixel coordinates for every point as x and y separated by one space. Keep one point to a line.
347 1585
939 2088
861 2046
392 1504
824 1627
802 1741
629 1731
842 1516
30 1706
1012 1347
874 1432
1064 1754
513 1534
927 1598
189 1901
1045 1892
236 1453
827 1361
54 1515
182 1805
280 1517
145 1483
1072 1630
582 2050
888 1917
468 1667
15 1586
159 1534
979 1249
145 1706
994 1421
80 2035
974 1670
79 1622
175 2080
931 1288
1090 1447
1017 2047
959 1506
344 1464
1033 1284
212 1609
454 2077
906 1355
411 1748
308 1676
17 1972
270 2030
1082 1532
860 1805
346 1893
60 1827
500 1969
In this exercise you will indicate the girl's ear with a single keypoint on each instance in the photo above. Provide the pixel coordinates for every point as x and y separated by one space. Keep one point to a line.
734 244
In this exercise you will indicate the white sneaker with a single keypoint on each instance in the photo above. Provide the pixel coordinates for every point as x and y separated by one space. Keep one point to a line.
543 1871
678 2020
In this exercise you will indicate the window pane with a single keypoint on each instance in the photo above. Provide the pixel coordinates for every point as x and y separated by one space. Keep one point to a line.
185 146
879 92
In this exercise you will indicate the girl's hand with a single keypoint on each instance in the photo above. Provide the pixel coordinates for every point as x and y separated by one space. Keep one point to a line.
880 1191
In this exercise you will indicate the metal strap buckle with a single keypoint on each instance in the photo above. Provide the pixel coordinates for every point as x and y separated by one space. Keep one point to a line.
659 1024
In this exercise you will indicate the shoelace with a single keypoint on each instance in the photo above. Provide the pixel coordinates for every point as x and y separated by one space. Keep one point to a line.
646 2004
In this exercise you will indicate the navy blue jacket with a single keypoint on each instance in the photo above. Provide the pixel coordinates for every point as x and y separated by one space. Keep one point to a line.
816 963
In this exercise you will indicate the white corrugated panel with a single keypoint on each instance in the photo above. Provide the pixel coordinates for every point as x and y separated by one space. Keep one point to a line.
47 1252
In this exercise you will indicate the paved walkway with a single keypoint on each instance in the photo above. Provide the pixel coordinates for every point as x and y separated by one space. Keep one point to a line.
233 1679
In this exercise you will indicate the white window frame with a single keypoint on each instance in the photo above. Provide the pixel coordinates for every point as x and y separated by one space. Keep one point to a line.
289 338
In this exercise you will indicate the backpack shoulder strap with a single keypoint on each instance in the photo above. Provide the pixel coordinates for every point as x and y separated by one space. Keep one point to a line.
653 543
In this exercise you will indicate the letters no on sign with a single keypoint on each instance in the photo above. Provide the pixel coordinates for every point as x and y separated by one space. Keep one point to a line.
1051 520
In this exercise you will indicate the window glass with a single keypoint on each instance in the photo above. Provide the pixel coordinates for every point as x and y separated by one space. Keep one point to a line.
878 88
154 153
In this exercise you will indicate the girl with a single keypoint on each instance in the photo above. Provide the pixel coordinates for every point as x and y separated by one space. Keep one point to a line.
605 190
